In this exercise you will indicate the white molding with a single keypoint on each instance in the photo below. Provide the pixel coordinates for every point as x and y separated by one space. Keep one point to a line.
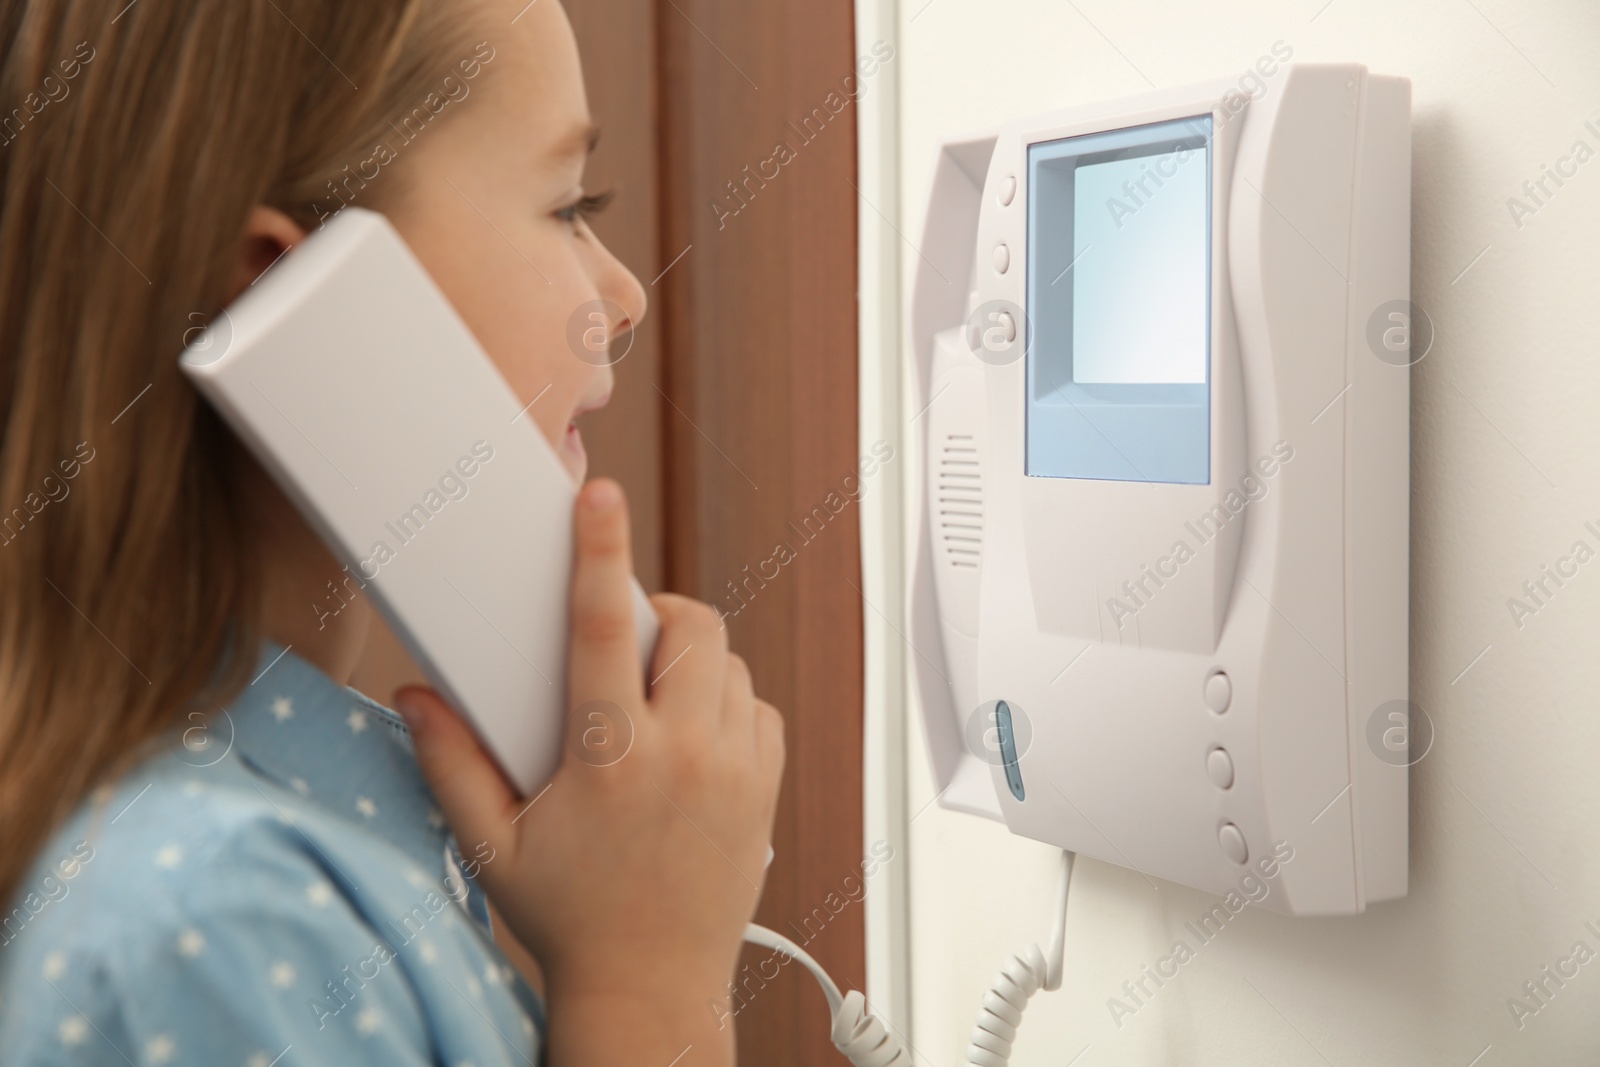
881 417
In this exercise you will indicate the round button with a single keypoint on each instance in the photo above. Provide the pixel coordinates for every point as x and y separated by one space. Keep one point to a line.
1006 325
1002 258
1219 692
1219 766
1008 190
1232 842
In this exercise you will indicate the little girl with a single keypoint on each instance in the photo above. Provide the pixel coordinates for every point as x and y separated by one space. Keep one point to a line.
212 850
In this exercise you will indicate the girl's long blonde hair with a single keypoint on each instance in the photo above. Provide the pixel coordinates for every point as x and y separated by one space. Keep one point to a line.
134 140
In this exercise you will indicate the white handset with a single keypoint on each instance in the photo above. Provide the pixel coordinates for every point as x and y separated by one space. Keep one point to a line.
360 389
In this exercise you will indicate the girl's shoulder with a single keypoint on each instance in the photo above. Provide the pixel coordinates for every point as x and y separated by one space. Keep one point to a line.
278 877
179 897
210 914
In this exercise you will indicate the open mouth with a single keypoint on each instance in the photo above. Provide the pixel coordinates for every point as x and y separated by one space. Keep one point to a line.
572 444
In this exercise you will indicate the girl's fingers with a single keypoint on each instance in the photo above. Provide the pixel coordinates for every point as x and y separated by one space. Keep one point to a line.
604 660
770 753
738 698
475 796
691 658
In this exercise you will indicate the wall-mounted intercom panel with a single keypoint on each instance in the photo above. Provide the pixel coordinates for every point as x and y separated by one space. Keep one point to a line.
1160 592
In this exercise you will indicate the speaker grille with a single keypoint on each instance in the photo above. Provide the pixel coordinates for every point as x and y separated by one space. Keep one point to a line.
961 501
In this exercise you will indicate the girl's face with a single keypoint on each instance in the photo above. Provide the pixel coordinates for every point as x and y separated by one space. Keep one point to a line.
491 200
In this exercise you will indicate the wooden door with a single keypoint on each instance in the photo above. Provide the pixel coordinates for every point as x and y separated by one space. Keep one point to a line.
729 135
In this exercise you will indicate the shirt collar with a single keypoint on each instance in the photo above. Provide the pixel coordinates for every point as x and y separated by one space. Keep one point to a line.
335 747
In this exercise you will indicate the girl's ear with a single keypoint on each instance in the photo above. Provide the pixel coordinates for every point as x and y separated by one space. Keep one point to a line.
268 234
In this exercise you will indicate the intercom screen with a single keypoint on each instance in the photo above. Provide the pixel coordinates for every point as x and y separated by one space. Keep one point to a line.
1119 304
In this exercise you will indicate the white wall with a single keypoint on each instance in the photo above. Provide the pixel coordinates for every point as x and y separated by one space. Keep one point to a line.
1505 868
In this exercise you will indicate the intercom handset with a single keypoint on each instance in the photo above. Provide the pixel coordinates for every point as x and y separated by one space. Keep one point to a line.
1164 541
356 384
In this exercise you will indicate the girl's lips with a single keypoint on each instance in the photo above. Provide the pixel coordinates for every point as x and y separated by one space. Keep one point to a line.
573 453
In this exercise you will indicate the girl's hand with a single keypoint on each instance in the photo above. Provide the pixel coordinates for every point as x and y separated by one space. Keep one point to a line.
632 876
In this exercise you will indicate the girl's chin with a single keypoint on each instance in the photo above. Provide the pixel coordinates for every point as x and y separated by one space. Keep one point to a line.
573 454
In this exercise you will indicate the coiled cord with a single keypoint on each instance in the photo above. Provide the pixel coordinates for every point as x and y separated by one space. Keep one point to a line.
1023 975
866 1042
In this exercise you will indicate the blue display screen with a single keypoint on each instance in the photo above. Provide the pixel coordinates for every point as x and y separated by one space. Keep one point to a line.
1119 304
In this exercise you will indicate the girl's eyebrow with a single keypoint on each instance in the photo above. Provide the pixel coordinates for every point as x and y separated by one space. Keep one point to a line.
579 140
